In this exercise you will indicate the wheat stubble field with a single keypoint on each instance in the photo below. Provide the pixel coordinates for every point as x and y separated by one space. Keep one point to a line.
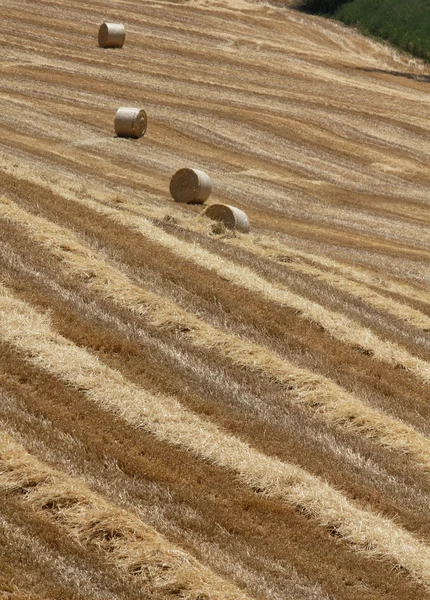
187 413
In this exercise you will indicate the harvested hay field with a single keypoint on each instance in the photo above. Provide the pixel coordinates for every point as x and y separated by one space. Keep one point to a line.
187 411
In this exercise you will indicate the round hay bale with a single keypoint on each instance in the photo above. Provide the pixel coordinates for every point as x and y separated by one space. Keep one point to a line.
111 35
232 217
190 185
130 122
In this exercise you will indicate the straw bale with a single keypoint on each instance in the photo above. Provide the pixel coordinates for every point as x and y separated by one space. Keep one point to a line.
111 35
230 216
190 185
130 122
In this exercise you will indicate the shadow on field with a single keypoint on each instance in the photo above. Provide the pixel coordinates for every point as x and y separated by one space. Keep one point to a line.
423 78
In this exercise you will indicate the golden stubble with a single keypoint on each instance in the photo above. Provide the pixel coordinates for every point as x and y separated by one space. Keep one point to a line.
30 332
354 282
339 326
96 523
358 281
320 395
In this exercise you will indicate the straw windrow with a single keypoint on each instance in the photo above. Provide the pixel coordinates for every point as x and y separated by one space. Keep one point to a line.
31 333
339 326
318 394
260 400
124 540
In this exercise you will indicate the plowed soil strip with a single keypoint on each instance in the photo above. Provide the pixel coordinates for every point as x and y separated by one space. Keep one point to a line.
31 332
317 393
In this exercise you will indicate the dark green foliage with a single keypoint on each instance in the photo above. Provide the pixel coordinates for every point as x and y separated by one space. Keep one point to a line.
321 6
405 23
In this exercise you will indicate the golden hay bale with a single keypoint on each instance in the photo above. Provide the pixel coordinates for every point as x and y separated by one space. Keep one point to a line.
232 217
190 185
130 122
111 35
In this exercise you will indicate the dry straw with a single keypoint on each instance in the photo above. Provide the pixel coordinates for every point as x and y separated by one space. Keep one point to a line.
130 122
338 325
190 185
230 216
85 515
111 35
353 281
31 333
321 395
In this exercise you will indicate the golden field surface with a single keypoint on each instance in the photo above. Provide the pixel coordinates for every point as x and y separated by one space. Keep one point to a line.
188 412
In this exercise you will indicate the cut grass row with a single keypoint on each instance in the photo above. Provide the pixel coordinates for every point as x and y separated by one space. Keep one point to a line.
320 395
31 333
322 267
337 325
123 539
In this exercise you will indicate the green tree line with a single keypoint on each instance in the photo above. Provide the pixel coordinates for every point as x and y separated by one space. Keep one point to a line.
405 23
321 6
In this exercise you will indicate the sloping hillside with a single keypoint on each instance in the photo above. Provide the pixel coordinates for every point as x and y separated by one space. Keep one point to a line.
191 413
